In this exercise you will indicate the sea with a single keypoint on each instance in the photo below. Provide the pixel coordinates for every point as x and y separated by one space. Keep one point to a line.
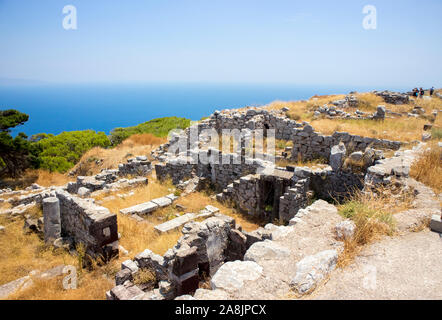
54 108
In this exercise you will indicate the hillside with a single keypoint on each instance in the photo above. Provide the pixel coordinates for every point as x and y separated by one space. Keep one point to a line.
354 180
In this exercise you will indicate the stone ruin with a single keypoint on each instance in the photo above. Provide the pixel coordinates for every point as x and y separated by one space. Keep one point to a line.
393 97
70 218
204 247
255 185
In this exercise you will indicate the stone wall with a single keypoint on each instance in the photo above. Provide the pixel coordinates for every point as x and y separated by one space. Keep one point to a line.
200 252
222 172
88 223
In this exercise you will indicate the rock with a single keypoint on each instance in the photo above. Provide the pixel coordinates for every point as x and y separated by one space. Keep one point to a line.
175 223
356 156
122 276
436 223
285 109
337 156
84 192
31 225
131 265
345 230
380 113
232 275
123 251
311 270
2 229
428 127
266 250
185 297
123 292
204 294
426 136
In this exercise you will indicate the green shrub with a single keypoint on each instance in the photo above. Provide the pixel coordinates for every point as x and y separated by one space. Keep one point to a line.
158 127
63 151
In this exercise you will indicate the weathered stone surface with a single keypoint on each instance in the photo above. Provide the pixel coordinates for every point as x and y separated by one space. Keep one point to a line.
345 230
233 275
312 270
266 250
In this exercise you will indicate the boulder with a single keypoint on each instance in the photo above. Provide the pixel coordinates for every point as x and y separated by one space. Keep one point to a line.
345 230
436 223
312 270
266 250
232 275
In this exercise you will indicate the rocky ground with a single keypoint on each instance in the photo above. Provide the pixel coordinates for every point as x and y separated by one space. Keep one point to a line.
405 268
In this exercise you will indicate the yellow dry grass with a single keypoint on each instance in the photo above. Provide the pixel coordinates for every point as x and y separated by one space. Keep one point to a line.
428 168
403 128
96 159
20 254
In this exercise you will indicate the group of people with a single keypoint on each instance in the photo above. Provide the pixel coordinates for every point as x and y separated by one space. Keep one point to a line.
421 92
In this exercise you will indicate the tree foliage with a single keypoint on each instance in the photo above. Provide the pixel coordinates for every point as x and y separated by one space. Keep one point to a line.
63 151
16 154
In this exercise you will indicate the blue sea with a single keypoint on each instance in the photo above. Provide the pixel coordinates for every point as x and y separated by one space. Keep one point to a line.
102 107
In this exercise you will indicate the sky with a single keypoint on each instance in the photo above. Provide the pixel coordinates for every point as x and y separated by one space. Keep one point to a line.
229 41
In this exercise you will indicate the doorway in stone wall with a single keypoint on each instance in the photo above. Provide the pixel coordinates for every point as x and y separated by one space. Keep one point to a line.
268 198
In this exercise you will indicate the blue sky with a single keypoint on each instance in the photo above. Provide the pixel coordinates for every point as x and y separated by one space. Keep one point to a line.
278 41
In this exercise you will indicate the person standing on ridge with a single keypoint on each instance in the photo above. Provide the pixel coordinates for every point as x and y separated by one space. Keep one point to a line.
421 93
431 91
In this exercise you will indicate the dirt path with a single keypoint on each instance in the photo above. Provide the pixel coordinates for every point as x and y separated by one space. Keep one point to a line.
407 267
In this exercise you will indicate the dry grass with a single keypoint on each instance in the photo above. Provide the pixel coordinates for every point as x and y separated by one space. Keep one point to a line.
428 168
20 254
403 129
91 286
316 163
372 213
97 159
